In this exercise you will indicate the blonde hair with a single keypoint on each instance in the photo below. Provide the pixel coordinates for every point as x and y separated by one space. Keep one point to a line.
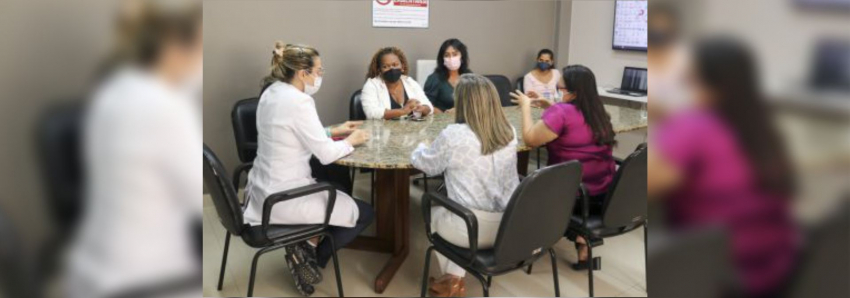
143 28
477 104
288 59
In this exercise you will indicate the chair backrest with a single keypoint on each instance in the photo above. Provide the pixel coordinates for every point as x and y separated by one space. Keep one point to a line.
519 84
59 145
503 85
244 117
355 108
538 213
626 202
13 277
222 193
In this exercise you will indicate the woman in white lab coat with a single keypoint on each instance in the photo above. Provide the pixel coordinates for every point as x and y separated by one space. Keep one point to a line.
289 133
388 92
141 149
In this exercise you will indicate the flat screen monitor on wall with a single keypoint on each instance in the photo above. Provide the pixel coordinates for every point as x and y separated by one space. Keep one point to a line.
630 25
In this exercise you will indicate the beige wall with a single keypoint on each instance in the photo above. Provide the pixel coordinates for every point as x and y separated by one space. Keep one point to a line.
590 42
502 36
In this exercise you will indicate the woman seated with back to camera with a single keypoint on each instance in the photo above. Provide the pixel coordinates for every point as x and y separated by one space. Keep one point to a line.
478 156
388 92
575 128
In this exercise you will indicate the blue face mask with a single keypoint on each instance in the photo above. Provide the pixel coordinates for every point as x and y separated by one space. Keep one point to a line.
543 65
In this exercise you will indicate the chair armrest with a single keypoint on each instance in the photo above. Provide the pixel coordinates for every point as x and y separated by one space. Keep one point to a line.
297 193
468 217
237 173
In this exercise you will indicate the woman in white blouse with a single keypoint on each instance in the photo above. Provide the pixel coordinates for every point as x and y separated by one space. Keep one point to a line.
289 133
477 155
541 83
388 92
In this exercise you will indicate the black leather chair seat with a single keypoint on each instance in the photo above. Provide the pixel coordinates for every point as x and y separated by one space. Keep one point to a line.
598 229
255 237
485 259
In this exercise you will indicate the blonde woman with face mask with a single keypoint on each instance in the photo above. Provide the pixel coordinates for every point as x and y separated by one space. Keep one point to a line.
477 154
289 133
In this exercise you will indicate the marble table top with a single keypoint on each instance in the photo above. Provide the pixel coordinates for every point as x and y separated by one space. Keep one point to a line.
392 141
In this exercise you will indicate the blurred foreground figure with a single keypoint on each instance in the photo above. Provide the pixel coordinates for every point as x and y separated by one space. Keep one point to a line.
668 63
720 162
141 152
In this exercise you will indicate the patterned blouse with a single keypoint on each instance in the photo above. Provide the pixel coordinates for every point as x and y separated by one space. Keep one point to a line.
481 182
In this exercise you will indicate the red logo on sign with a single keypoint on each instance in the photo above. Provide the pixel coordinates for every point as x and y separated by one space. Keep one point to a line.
383 2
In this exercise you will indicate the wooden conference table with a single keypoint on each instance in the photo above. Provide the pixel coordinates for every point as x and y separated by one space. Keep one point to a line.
388 152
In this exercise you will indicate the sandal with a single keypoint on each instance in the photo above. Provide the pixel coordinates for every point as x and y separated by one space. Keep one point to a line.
303 287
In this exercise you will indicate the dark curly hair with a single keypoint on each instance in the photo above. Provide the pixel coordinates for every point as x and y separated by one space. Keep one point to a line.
375 65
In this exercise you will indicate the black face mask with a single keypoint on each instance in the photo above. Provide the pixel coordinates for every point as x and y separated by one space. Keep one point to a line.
392 75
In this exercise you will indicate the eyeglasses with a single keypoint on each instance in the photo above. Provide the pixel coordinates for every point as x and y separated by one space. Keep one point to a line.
320 72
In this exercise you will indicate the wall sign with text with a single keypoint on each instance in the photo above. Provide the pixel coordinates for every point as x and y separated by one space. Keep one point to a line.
400 13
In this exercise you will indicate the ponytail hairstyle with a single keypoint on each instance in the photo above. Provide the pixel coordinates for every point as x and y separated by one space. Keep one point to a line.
287 59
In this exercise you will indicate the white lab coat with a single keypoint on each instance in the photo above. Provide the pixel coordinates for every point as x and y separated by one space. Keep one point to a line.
289 133
141 144
376 97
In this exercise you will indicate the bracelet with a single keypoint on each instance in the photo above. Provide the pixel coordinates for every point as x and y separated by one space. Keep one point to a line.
328 132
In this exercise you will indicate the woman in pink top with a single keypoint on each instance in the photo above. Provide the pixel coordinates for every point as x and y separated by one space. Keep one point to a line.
723 163
575 128
542 81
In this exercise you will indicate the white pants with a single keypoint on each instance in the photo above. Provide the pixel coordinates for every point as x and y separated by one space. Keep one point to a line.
452 228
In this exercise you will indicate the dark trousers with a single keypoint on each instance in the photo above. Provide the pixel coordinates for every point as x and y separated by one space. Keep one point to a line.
337 175
340 177
344 236
596 204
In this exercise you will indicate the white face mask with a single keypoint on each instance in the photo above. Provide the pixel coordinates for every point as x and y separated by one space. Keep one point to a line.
452 63
312 89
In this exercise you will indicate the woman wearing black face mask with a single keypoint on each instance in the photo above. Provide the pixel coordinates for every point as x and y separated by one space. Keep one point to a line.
541 83
388 92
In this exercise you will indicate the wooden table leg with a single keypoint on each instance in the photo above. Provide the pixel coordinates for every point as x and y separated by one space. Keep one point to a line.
522 162
392 220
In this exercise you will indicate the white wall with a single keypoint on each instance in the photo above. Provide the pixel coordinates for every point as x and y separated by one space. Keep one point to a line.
591 31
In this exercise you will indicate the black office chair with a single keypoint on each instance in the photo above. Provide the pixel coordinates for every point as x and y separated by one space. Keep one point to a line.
267 237
16 278
532 223
519 84
244 118
58 138
58 143
624 209
356 113
504 86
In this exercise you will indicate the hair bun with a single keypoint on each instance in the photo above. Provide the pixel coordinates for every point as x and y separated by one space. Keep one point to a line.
279 46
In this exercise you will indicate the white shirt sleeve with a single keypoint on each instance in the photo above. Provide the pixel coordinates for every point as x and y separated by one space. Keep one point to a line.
417 93
527 84
311 133
434 159
371 101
